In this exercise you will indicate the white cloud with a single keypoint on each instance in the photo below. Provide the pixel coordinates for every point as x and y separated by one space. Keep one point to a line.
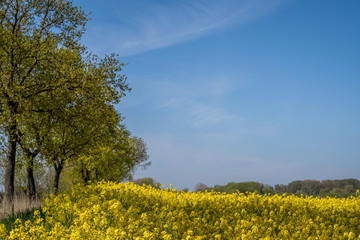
147 25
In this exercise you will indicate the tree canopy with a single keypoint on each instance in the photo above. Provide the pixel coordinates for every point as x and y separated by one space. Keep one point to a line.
56 99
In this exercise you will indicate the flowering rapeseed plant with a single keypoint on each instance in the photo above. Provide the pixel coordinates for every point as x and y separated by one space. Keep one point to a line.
127 211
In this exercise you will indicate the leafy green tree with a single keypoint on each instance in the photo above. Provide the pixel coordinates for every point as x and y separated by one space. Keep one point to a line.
21 173
147 181
294 187
54 95
36 40
243 187
332 188
311 187
85 122
114 159
29 150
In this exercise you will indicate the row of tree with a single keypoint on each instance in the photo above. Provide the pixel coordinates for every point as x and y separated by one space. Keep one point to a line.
57 99
332 188
242 187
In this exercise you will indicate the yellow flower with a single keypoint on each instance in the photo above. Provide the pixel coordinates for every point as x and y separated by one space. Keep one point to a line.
107 210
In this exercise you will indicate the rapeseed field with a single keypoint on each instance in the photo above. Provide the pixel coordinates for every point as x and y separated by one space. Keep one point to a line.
109 210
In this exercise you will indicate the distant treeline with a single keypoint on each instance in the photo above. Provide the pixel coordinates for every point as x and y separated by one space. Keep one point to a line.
331 188
242 187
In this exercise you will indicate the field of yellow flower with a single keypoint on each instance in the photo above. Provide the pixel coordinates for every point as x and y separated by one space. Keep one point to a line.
127 211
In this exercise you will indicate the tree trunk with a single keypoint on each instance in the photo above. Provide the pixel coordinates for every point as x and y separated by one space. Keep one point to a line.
10 165
30 172
58 165
56 181
31 180
85 174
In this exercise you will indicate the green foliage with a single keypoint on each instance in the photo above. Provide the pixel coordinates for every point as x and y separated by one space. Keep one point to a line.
57 100
39 45
114 158
147 181
331 188
327 188
243 187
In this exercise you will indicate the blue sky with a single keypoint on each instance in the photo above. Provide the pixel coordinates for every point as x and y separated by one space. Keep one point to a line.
237 90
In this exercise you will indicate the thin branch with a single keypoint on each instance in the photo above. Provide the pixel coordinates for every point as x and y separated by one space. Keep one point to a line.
40 91
29 71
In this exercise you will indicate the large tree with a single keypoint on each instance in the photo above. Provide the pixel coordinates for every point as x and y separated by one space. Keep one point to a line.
31 33
43 72
63 124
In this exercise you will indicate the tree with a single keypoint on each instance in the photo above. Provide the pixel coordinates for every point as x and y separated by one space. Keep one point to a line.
243 187
294 186
114 159
67 142
45 106
311 187
147 181
21 183
30 149
35 39
78 120
200 187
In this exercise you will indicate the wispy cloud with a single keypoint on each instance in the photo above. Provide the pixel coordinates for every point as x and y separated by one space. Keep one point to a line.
199 114
174 102
147 25
200 105
206 115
